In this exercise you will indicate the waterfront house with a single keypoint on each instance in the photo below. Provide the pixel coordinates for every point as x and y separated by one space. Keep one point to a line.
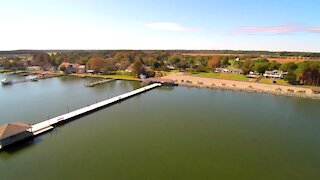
220 70
73 68
90 71
142 76
14 132
70 68
275 74
81 69
253 74
228 70
235 71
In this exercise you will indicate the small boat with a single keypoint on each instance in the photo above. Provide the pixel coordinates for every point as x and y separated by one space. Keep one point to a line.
6 82
34 79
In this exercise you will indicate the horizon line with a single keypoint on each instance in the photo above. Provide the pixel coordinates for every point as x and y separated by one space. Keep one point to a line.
157 50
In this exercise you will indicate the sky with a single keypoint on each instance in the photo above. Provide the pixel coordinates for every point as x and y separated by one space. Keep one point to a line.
275 25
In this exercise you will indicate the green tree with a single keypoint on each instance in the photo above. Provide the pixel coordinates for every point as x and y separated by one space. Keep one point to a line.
274 65
287 67
291 78
247 66
225 61
63 69
156 65
260 67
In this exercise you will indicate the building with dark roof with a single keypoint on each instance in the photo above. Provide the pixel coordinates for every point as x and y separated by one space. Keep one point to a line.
14 132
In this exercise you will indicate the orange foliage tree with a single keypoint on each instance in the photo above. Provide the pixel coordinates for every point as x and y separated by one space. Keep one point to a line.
215 62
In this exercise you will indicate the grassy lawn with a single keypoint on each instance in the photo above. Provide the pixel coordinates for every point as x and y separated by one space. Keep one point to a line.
237 77
167 73
4 70
113 76
270 81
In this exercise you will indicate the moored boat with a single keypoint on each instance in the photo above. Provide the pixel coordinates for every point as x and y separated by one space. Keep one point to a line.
6 82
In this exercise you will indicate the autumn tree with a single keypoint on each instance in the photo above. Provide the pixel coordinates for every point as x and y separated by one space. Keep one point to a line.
42 59
110 65
96 63
138 68
215 62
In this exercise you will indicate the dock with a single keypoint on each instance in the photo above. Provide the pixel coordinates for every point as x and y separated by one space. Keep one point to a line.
99 82
48 125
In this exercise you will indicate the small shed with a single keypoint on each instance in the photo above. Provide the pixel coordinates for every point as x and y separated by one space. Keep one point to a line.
14 132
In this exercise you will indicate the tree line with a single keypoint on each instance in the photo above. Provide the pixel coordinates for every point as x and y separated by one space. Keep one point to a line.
147 62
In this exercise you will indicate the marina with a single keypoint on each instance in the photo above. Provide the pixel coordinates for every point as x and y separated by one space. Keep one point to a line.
28 77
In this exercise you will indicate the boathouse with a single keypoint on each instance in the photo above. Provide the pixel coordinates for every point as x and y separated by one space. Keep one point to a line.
14 132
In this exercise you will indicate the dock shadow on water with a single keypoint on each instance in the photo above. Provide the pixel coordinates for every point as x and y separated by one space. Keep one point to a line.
19 147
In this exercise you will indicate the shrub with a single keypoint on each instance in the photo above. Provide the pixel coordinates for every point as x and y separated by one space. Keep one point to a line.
301 92
290 90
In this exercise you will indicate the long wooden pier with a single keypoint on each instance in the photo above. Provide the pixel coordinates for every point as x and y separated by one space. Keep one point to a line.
49 124
99 82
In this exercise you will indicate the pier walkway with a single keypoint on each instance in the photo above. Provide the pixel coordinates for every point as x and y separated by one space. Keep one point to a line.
99 82
49 124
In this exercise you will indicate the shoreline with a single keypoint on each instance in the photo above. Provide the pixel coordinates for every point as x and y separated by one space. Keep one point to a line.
117 77
251 87
235 89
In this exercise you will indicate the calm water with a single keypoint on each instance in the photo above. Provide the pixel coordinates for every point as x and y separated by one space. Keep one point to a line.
166 133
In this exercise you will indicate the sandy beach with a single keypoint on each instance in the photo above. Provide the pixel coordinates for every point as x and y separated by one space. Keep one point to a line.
204 82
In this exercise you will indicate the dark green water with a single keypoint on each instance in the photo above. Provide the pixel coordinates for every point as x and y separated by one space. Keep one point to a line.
166 133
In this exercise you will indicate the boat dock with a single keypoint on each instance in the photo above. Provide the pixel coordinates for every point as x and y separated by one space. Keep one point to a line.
99 82
47 125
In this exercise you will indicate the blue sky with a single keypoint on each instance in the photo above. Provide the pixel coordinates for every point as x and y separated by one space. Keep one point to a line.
276 25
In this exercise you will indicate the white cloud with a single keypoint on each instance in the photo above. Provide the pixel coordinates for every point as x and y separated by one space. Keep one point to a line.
172 27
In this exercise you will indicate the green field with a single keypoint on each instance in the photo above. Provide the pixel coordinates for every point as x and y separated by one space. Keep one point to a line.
113 76
270 81
237 77
4 70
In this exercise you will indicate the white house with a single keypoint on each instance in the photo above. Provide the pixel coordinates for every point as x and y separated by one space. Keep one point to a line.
170 67
81 69
253 74
275 74
229 70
